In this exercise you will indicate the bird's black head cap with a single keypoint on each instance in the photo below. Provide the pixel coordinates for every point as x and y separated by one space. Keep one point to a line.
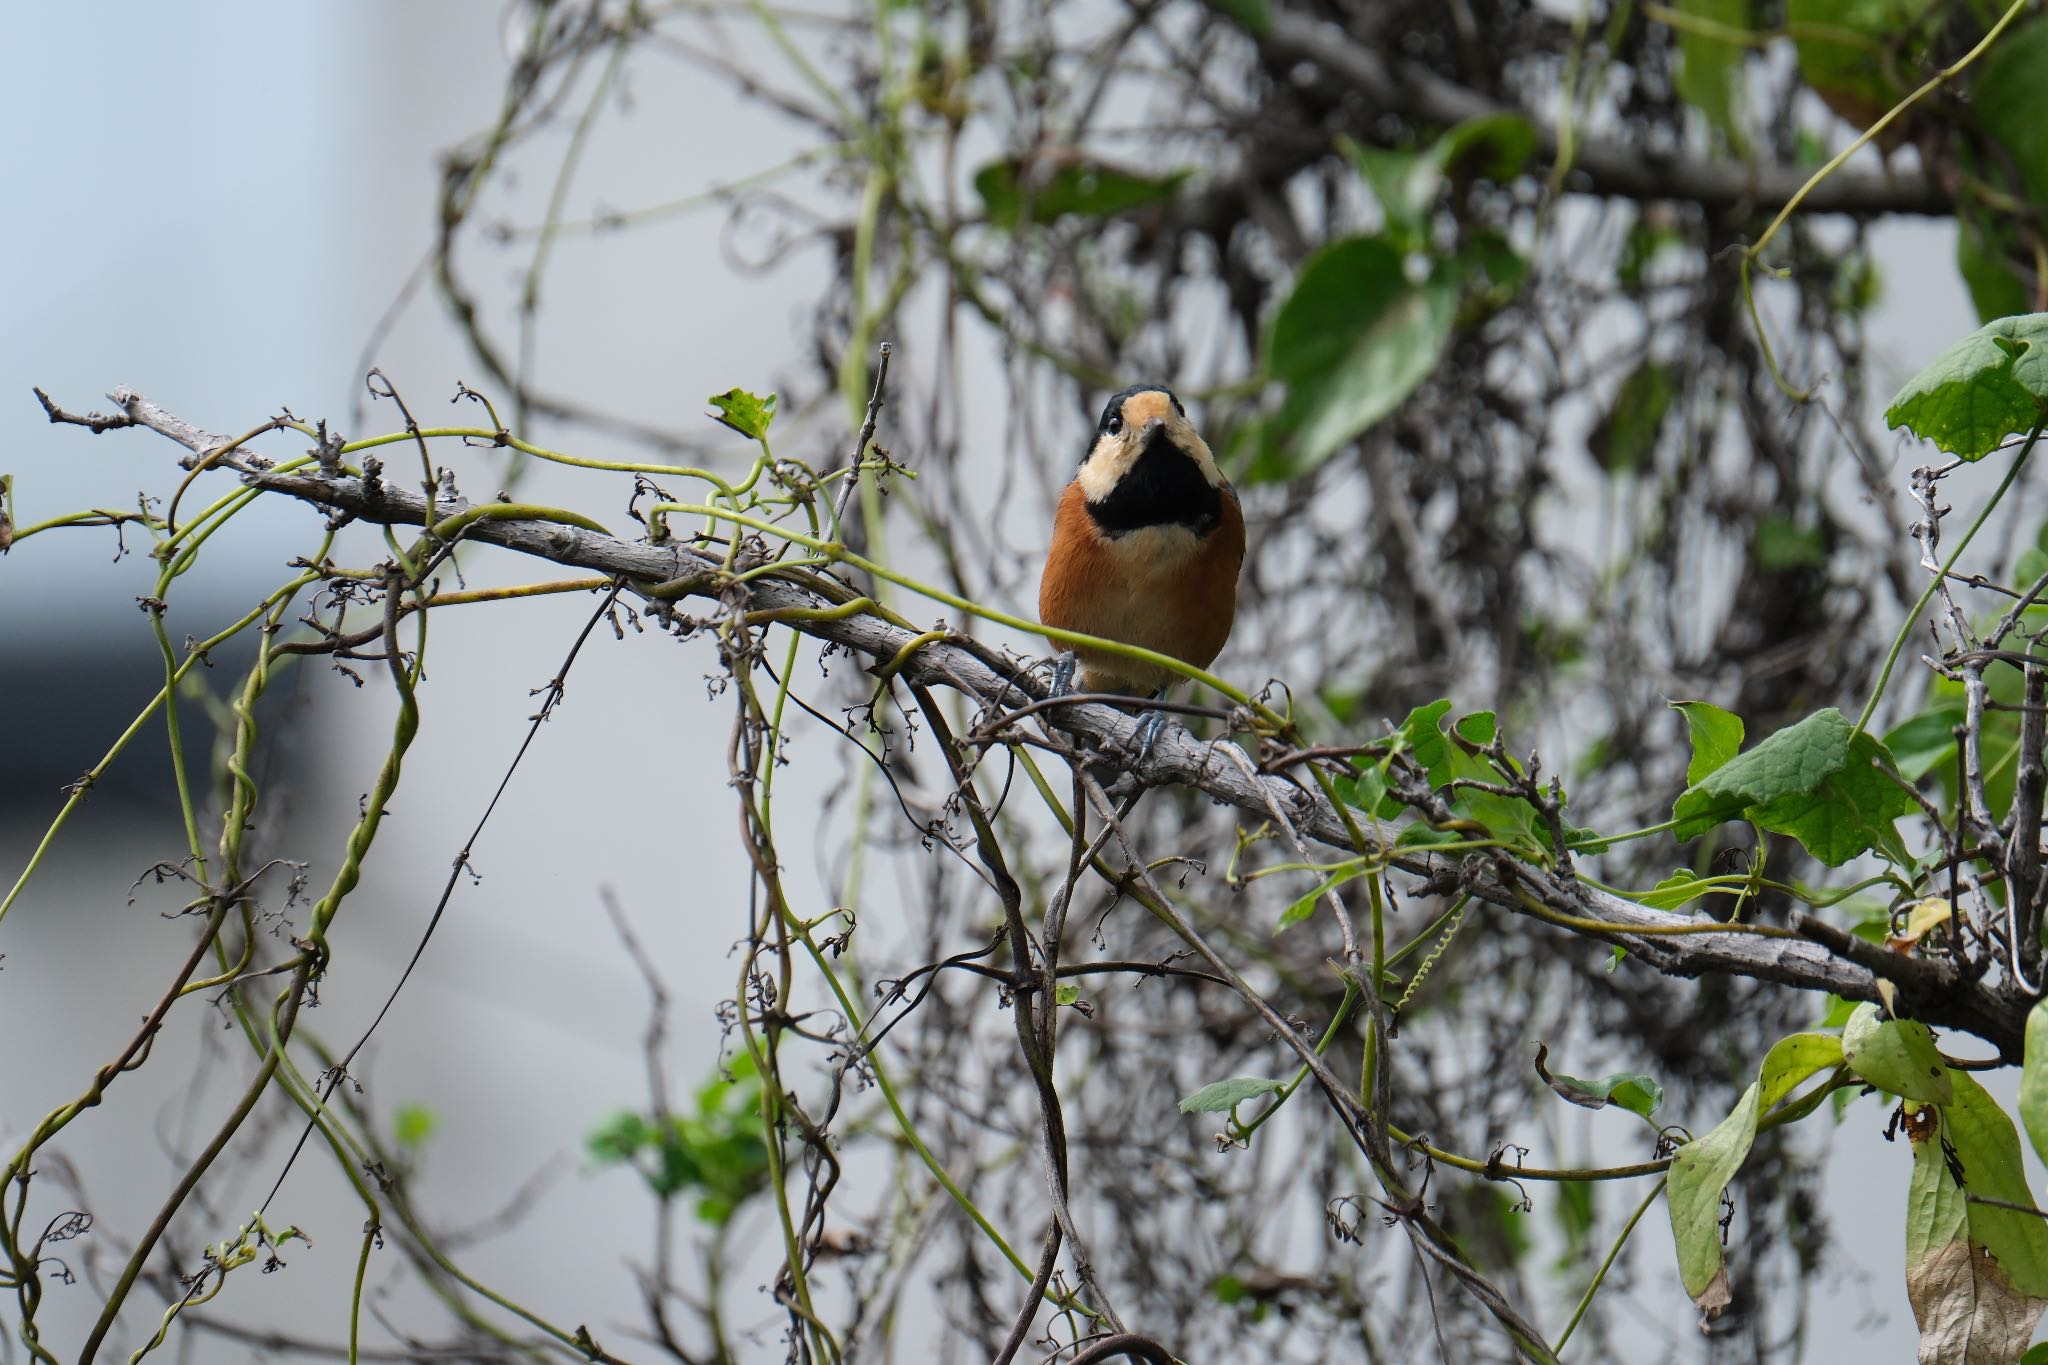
1113 411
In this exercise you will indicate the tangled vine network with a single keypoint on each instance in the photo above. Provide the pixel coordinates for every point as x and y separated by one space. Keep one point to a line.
1241 920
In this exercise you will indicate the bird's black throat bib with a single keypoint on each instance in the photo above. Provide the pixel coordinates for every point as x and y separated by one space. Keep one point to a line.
1163 488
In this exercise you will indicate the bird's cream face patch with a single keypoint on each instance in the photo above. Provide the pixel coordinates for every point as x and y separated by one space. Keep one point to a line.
1115 452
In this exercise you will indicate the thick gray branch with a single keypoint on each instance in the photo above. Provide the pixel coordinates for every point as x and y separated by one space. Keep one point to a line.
1928 991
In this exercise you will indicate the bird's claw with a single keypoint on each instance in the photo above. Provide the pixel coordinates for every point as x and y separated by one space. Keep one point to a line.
1063 674
1150 724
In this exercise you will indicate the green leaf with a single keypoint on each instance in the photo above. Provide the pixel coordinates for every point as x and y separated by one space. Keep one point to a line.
1850 50
1925 742
1407 184
1791 1060
2005 104
1648 238
1629 1090
1702 1168
1990 385
1221 1096
1066 993
1252 14
1818 781
2034 1080
2006 161
1083 188
2000 739
1681 886
1716 737
748 414
1367 787
1306 906
1711 67
1477 727
1625 437
617 1138
1352 340
717 1152
1492 146
1782 543
413 1124
1897 1056
1986 244
1421 734
1489 263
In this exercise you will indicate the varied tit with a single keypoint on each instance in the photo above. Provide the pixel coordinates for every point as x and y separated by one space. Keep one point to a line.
1145 548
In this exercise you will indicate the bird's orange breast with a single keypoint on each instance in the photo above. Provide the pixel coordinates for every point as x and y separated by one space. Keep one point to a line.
1163 587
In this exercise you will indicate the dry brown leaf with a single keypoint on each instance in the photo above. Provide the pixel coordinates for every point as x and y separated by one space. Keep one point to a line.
1969 1313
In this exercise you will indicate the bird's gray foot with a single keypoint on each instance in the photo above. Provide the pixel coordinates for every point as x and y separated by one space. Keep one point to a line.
1063 673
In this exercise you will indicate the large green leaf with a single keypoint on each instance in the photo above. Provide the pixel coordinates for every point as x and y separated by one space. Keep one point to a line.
1353 339
1856 53
1702 1168
1897 1056
2005 103
1710 66
1990 385
1819 781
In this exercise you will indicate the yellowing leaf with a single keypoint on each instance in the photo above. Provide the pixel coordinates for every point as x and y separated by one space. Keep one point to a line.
1897 1056
1924 915
1968 1312
1702 1168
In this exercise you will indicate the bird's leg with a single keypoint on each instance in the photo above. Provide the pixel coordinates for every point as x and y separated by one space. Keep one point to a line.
1150 723
1063 673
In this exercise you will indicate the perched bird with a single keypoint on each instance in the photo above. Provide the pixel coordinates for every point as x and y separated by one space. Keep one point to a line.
1145 548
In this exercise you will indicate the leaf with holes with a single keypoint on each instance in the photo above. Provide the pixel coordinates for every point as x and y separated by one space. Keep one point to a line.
1897 1056
1976 1273
747 413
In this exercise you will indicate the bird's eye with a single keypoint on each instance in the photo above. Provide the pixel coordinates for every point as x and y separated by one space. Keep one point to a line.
1114 425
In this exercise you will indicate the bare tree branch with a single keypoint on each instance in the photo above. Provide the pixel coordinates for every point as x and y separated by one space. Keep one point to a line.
1934 993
